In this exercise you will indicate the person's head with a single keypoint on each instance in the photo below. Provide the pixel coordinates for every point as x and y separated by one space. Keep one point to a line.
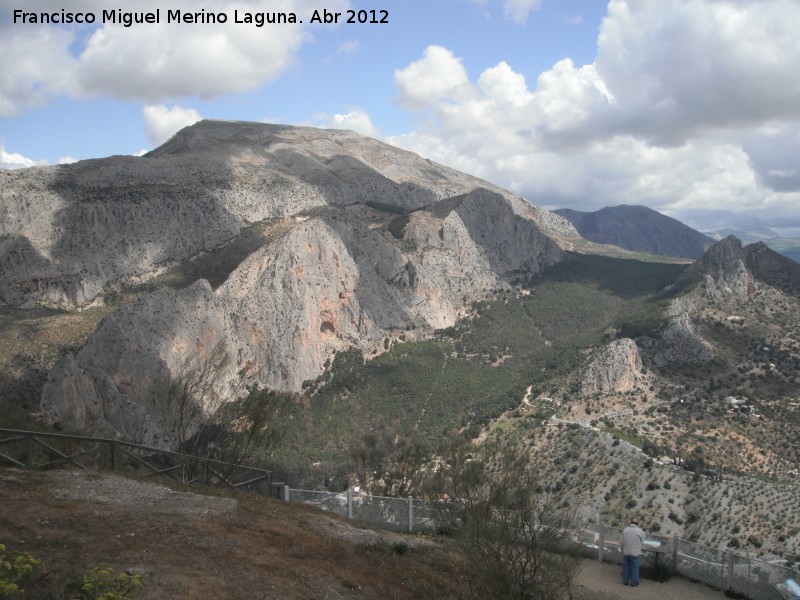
635 520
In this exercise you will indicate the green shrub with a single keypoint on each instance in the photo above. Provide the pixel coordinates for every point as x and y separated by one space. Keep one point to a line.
102 583
23 576
17 571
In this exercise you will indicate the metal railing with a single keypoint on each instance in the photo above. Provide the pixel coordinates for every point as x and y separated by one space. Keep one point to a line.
725 570
381 512
43 451
752 578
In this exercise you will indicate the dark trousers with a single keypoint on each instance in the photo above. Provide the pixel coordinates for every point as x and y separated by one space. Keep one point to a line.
630 570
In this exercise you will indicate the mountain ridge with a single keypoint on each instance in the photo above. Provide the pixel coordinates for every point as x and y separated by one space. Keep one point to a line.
356 260
638 228
419 305
67 232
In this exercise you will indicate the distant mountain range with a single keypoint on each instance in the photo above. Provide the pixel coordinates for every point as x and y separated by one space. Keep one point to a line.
404 300
789 247
642 229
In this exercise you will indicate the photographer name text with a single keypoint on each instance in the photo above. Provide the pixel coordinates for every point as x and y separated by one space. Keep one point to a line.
201 17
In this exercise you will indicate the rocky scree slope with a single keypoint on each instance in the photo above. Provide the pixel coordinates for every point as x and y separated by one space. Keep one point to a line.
380 243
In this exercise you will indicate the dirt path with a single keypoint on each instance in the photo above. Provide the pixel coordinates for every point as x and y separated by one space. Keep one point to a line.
605 581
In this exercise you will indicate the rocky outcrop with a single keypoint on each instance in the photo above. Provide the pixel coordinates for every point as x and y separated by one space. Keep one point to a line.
112 383
773 268
680 342
724 270
329 283
721 273
464 246
615 368
67 231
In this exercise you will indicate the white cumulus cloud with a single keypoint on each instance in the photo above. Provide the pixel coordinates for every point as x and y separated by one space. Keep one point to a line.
504 85
36 66
14 160
161 122
692 108
438 76
355 120
149 62
678 69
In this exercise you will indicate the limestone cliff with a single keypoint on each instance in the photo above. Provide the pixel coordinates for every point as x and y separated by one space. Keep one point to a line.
372 256
614 368
111 382
66 232
724 270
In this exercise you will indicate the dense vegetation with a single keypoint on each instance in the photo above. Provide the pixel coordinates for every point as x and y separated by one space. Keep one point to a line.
516 361
523 339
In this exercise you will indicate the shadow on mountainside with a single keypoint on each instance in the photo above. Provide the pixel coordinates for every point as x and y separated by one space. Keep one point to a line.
625 278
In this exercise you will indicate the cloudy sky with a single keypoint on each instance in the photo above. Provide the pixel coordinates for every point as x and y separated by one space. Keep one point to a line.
691 107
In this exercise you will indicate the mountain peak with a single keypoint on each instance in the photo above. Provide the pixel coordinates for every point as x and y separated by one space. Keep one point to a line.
640 229
724 269
214 134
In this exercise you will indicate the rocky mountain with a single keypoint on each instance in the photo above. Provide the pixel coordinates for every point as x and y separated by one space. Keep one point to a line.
410 302
788 247
616 368
730 268
366 243
640 229
699 437
68 231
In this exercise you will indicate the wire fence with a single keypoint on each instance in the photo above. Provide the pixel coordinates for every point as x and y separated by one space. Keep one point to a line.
752 578
410 514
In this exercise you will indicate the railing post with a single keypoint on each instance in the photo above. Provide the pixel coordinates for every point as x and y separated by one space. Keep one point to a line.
729 570
411 514
749 576
601 543
286 493
350 503
675 542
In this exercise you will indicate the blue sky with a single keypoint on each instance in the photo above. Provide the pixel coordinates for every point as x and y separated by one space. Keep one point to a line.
691 107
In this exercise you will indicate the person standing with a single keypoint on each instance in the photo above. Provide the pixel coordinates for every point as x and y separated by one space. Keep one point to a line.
632 538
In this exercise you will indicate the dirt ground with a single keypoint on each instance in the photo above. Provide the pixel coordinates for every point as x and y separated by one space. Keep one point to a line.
239 546
220 546
605 582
